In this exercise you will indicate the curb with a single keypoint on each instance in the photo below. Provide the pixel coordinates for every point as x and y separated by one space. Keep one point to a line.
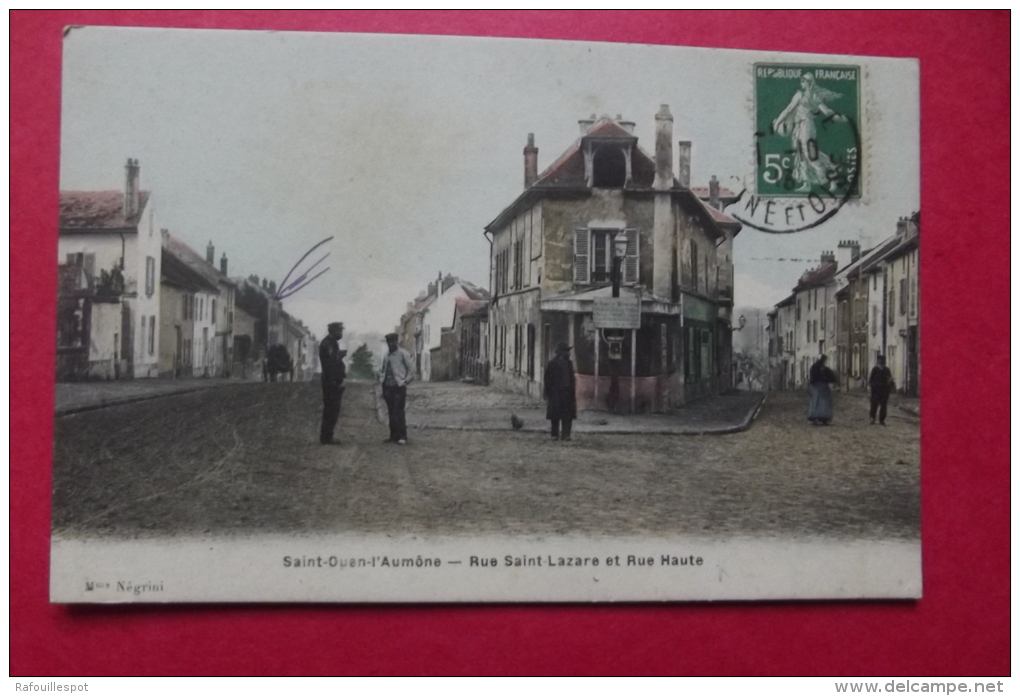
72 410
745 424
748 422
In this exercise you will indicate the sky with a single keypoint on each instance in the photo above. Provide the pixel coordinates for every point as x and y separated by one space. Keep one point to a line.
402 148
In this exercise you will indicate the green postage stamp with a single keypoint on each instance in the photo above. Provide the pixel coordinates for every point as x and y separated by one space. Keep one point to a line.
808 132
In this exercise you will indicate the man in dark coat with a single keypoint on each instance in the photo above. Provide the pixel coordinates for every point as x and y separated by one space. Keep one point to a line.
333 374
561 400
880 382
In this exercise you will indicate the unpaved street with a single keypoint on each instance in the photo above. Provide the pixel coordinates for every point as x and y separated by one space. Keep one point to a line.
244 459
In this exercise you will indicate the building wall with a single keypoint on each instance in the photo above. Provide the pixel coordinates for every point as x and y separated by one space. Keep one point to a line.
604 208
244 325
516 304
510 317
830 325
877 329
472 348
147 304
696 257
105 359
225 330
172 321
859 331
813 331
901 316
444 357
913 386
527 228
203 336
105 247
784 362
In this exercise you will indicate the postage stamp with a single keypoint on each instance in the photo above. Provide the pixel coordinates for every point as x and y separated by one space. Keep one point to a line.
351 318
808 145
809 133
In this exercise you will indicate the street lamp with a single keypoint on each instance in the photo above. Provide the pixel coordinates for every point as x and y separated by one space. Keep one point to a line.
619 252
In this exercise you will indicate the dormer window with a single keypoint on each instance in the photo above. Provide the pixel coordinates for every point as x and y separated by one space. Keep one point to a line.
608 162
609 168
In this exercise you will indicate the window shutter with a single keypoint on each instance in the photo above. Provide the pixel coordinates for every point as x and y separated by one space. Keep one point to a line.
582 256
513 267
632 262
694 265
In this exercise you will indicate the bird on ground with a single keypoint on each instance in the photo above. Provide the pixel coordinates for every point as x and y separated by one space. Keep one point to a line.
515 422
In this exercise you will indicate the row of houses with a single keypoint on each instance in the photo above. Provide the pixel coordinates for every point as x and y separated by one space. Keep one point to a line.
604 210
854 306
134 301
445 329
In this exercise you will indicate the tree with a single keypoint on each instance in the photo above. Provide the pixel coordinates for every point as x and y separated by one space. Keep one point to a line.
361 362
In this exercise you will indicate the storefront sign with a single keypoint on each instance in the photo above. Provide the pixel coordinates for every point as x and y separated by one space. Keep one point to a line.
617 312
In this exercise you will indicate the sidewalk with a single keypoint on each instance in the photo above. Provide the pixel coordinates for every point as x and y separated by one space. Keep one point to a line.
456 406
75 397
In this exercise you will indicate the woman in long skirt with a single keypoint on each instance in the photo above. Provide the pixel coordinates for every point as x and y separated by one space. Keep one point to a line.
821 379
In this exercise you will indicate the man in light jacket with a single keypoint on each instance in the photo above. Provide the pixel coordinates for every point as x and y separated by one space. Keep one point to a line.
396 373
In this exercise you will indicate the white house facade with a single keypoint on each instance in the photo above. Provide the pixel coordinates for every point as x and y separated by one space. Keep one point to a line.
115 232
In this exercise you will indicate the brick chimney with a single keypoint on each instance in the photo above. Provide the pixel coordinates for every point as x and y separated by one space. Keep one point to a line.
828 257
586 123
530 161
626 125
713 193
210 254
131 192
223 263
901 227
683 169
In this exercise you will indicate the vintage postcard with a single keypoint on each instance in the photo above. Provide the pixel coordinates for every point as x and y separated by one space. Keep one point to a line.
367 318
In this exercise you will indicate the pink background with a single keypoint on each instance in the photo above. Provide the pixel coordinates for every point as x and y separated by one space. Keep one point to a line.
960 627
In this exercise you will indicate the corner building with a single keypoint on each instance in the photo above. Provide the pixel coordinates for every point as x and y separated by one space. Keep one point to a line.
552 256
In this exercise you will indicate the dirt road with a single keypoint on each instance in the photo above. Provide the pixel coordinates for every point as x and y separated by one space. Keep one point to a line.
245 459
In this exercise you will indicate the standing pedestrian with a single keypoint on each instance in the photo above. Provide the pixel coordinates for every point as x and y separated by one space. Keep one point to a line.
881 384
821 379
559 392
333 374
396 373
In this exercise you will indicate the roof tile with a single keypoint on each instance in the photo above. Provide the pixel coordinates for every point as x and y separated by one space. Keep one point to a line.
97 210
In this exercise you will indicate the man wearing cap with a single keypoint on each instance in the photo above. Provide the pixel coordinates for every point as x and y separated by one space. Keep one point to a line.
333 374
396 373
561 400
